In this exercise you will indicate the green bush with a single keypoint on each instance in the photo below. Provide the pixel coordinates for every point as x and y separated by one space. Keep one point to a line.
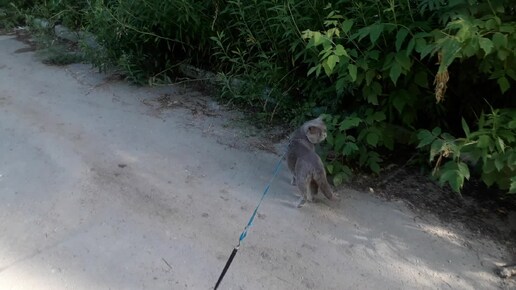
383 71
11 12
261 42
355 138
148 38
68 12
490 149
381 55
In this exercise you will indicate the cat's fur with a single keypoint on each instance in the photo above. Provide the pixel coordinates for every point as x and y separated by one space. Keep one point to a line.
304 163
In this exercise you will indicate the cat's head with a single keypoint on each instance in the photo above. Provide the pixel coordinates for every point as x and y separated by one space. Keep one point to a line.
315 130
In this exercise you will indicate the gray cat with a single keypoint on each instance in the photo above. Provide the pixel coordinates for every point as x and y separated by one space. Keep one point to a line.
306 166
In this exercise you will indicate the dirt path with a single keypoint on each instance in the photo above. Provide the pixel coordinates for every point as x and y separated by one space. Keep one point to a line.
101 190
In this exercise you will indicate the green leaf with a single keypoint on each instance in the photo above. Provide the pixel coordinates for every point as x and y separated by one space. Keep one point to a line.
330 139
448 138
500 144
450 50
395 72
425 137
340 139
465 127
370 74
488 166
499 40
504 84
489 178
486 44
346 25
349 122
347 172
453 178
512 187
400 37
502 54
403 60
326 67
318 70
484 141
352 69
464 170
436 131
325 53
317 37
375 31
421 45
372 139
374 54
340 51
333 31
426 50
399 102
410 46
376 88
491 24
499 161
329 168
312 69
374 166
508 136
332 61
337 179
471 49
363 155
361 33
436 148
349 149
344 175
511 160
498 164
508 28
340 84
370 93
454 174
511 73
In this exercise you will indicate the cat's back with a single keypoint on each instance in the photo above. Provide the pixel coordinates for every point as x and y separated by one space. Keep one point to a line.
303 151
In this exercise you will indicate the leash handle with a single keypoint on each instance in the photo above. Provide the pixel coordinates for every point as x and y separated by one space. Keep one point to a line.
228 263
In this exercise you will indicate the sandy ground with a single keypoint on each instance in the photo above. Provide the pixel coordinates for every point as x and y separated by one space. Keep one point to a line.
100 190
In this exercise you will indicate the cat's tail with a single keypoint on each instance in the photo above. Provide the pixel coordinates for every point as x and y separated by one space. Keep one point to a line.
326 189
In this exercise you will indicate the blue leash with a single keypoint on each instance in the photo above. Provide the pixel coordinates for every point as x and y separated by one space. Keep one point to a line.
243 235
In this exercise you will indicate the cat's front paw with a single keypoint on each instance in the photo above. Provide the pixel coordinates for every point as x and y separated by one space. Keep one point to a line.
333 196
301 202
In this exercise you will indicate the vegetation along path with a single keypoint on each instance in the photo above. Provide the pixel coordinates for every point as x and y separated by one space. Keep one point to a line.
104 185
